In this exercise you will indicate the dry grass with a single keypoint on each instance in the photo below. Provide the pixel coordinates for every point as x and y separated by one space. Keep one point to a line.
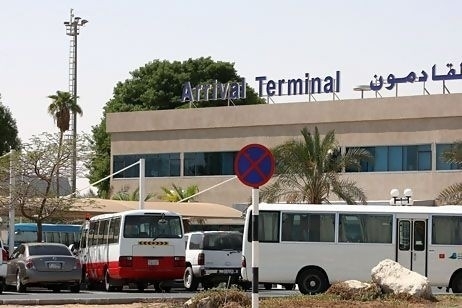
230 298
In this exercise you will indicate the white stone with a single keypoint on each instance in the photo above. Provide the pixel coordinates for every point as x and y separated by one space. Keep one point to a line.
355 284
394 278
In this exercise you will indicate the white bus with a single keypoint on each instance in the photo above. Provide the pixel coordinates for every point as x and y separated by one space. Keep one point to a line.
138 247
315 245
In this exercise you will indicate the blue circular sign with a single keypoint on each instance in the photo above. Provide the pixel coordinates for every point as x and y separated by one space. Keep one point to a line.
254 165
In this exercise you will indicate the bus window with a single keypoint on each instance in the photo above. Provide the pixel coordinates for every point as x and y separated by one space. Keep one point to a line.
351 230
419 235
404 235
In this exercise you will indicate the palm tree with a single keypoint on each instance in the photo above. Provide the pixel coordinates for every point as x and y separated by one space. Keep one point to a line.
177 193
124 195
63 103
307 170
453 193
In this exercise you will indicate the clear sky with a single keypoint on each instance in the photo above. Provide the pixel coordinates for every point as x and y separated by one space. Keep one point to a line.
277 39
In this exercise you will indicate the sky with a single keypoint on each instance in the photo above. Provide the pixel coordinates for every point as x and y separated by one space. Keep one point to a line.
277 39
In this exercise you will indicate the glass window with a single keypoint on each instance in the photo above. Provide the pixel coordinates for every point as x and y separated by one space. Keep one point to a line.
114 229
304 227
156 165
447 230
268 226
419 235
152 226
209 163
404 231
397 158
40 250
365 228
441 163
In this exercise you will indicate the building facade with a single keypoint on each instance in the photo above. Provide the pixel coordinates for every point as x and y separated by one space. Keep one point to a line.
197 146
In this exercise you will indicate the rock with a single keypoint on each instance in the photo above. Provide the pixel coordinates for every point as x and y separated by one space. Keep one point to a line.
395 278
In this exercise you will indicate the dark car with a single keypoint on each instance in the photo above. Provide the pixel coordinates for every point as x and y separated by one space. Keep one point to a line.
49 265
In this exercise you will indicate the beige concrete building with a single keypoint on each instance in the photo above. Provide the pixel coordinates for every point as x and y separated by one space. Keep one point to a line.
197 146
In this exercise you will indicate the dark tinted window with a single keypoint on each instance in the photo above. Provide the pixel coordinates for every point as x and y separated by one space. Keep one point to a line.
223 241
41 250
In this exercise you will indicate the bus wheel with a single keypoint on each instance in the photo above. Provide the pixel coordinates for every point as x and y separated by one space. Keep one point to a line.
456 284
312 281
189 281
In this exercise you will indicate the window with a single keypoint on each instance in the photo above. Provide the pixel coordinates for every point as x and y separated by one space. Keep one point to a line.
404 231
156 165
114 230
152 226
441 163
304 227
447 230
397 158
365 228
268 226
209 163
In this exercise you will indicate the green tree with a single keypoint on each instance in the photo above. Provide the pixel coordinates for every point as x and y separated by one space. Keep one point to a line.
453 193
61 107
157 86
125 195
308 170
8 131
177 193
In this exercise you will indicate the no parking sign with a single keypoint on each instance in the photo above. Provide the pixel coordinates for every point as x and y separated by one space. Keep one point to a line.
254 165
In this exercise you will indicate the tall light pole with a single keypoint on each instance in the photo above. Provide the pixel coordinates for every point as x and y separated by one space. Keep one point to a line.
73 30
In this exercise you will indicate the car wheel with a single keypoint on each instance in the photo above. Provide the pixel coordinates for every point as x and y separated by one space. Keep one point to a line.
56 289
189 281
268 286
19 285
75 288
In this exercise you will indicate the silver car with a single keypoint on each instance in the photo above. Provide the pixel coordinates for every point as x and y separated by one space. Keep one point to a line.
49 265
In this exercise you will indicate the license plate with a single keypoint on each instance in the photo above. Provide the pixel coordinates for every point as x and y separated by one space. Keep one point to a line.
228 271
153 262
54 265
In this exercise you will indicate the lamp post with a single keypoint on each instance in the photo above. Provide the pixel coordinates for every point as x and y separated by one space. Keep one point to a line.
73 30
11 211
406 199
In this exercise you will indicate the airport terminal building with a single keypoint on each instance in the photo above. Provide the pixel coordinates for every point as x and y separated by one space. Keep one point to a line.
197 146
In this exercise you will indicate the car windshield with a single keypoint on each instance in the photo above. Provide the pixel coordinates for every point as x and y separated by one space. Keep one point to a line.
41 250
223 241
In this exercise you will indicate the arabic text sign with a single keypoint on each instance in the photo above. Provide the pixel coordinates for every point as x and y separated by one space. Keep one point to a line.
412 77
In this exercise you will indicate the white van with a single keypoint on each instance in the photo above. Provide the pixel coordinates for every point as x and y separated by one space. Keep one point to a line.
213 257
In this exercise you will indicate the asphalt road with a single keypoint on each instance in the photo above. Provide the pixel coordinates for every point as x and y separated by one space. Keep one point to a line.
47 297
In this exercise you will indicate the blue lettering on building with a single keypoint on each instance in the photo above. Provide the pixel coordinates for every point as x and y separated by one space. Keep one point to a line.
214 91
305 86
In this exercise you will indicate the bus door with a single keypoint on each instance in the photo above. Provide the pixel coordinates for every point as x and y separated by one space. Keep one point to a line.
412 250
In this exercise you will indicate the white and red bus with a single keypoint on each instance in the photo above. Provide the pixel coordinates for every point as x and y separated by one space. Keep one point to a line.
315 245
134 247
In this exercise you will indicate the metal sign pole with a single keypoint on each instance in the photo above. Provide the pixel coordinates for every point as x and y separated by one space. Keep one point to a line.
142 185
255 246
11 210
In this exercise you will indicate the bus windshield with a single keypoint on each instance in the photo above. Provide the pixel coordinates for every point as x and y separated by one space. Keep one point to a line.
152 226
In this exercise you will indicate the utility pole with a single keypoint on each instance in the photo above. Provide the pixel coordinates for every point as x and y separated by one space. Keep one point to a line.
73 30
